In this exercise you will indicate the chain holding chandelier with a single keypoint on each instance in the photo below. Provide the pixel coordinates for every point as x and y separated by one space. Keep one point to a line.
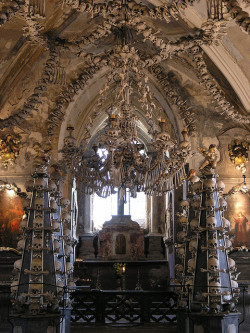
119 159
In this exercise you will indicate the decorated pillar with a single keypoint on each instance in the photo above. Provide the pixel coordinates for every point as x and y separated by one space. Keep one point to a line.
206 275
39 291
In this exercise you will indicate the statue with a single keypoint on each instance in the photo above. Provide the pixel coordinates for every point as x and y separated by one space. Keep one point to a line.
211 157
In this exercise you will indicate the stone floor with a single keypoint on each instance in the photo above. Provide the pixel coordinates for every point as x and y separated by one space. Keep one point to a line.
149 328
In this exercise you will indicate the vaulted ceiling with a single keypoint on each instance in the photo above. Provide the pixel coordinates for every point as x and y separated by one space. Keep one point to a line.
57 59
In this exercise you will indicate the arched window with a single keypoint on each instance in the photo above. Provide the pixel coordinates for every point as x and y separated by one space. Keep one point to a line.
104 208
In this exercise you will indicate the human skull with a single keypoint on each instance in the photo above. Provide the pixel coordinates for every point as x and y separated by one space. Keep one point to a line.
212 244
40 184
36 265
195 49
58 266
64 202
179 269
196 204
182 220
36 288
21 245
211 222
210 185
18 265
226 224
220 186
184 204
14 287
71 285
162 138
213 264
66 217
180 251
210 204
60 288
223 204
69 267
231 264
181 236
55 225
113 134
214 287
56 245
191 265
193 245
193 180
52 186
194 224
37 244
38 222
53 206
39 204
68 250
215 308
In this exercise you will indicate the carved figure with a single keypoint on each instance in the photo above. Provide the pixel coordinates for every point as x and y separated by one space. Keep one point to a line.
211 157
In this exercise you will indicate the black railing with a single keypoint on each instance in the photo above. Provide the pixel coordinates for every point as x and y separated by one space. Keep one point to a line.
123 307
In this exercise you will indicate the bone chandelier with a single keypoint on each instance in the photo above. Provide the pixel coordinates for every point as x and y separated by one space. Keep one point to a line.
123 163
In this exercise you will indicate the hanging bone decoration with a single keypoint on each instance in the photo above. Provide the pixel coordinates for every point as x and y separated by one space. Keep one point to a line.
207 261
38 275
125 166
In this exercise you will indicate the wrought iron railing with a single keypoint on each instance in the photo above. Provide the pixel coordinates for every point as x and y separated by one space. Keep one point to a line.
123 307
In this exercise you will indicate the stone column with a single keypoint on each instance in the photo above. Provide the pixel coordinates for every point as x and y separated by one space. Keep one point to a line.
85 228
155 248
157 215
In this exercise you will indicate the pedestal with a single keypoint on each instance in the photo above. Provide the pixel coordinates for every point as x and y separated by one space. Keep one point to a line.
155 247
207 323
38 324
86 247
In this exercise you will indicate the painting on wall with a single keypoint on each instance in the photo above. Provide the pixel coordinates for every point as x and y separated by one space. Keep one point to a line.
11 213
238 213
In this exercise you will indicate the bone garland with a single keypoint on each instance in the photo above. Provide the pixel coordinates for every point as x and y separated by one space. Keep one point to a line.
101 31
211 86
240 16
173 95
17 118
166 48
54 72
213 31
10 11
66 96
109 8
133 9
